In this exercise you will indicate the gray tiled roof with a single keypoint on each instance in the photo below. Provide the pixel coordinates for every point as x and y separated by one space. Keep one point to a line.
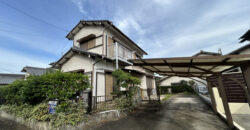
9 78
35 70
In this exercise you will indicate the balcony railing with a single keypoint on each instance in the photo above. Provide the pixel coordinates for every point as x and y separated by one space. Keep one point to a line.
122 52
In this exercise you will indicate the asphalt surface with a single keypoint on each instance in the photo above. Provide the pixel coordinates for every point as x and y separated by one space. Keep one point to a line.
180 112
6 124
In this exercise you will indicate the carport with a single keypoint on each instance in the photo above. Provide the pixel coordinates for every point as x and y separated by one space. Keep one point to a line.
203 67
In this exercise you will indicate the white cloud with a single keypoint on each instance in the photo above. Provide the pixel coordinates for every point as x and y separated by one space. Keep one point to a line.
13 62
163 2
206 35
129 23
219 26
80 4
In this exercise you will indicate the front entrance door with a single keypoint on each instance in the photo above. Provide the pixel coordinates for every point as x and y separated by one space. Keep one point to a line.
108 86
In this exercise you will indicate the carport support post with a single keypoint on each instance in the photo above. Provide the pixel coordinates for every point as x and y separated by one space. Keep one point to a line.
246 74
224 101
211 93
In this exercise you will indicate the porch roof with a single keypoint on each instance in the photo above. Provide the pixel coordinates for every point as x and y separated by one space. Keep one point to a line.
203 66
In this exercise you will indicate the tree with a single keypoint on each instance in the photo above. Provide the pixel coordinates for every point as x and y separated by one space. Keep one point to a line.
125 80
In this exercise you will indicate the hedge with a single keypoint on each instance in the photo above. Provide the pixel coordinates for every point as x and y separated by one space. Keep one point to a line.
50 86
176 89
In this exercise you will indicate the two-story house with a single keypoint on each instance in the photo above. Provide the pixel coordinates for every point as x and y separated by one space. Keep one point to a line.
98 49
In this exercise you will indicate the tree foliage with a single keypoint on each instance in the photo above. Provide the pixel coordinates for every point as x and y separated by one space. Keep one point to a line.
125 80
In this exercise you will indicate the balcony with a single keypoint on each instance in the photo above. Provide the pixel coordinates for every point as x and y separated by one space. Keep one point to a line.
122 52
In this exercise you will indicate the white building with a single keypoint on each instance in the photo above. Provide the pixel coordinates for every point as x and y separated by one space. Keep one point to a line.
98 49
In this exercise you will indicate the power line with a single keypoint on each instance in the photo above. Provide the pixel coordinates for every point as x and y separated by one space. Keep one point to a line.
23 33
62 49
33 17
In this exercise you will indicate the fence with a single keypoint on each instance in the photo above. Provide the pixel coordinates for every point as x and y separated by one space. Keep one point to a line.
123 52
102 103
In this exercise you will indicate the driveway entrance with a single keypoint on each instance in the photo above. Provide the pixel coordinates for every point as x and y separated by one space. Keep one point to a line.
180 112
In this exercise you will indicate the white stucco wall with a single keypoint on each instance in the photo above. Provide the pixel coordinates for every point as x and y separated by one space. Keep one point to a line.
78 62
105 65
96 50
235 108
173 79
176 79
84 62
85 31
100 84
143 79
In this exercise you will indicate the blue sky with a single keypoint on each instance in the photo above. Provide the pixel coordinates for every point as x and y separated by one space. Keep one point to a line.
163 28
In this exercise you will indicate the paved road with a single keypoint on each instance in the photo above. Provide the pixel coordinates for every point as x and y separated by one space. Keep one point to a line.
180 112
11 125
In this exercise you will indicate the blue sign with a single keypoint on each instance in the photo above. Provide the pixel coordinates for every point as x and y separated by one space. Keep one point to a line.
52 105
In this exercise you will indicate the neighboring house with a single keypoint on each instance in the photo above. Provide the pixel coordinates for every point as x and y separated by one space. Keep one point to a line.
6 79
245 37
200 84
29 70
99 48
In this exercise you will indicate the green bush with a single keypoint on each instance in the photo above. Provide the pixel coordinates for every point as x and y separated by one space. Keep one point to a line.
34 90
3 92
124 100
29 98
123 103
50 86
125 80
39 112
13 92
176 89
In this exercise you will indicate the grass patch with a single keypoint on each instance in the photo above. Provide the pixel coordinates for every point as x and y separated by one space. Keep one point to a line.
189 93
167 96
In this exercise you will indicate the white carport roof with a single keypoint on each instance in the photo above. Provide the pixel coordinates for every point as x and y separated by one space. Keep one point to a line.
203 66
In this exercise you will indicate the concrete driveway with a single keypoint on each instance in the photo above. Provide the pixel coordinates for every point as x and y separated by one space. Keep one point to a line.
180 112
6 124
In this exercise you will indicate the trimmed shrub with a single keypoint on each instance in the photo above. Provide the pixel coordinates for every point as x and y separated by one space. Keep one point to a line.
39 112
176 89
50 86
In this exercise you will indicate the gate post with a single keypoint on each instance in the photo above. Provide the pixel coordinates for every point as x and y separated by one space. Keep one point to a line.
149 94
211 93
225 102
89 102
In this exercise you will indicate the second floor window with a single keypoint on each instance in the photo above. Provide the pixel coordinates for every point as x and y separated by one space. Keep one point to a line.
88 44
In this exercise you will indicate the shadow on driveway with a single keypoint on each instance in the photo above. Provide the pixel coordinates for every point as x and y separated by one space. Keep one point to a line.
180 112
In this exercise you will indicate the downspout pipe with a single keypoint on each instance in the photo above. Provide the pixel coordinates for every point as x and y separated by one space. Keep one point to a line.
93 67
92 77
